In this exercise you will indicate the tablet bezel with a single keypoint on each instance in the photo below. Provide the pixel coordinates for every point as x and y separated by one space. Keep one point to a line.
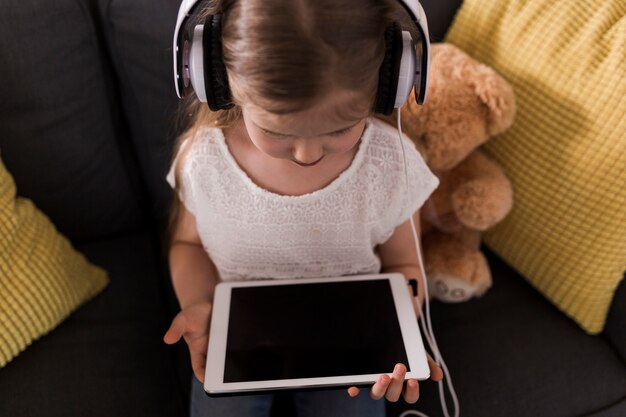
216 351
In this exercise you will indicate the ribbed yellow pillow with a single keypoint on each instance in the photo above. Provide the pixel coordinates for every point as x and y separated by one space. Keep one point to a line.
42 278
566 151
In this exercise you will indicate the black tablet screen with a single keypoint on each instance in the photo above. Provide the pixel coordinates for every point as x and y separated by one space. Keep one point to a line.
312 330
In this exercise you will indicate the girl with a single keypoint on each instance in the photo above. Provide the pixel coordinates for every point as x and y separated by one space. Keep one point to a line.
296 180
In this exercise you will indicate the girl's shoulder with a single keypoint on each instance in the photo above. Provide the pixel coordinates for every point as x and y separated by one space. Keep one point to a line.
196 164
204 137
195 148
203 142
382 127
384 142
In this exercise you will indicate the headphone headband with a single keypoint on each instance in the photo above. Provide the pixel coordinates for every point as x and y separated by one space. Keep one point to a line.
413 68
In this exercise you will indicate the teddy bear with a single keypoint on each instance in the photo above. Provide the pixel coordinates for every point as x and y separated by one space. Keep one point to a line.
468 103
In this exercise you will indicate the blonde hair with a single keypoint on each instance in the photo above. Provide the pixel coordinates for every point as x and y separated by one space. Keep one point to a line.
285 55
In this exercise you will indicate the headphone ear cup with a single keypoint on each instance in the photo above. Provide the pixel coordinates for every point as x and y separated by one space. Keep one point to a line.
389 70
215 77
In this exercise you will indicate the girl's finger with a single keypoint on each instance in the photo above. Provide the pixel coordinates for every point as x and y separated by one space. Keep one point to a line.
198 364
199 374
176 330
353 391
397 382
380 387
436 374
412 391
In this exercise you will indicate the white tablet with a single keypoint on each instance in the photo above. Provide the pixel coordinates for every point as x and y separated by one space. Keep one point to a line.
311 333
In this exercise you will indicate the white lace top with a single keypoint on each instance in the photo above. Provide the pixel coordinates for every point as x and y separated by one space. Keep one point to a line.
252 233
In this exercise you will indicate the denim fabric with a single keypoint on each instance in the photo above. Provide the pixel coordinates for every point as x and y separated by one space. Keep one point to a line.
332 403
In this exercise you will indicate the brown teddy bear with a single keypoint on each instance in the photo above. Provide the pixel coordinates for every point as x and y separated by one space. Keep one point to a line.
467 104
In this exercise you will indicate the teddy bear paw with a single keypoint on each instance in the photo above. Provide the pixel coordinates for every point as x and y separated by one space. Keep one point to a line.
473 205
451 289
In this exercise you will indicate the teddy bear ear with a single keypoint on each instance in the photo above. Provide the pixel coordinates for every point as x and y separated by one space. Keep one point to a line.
494 92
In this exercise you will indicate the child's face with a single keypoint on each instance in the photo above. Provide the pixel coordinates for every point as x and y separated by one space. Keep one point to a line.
307 137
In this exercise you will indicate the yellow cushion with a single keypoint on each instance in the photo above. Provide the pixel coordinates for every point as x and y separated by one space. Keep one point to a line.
42 278
566 151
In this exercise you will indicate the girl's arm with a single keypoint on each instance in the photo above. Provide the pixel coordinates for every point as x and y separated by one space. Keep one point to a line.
194 277
193 273
398 254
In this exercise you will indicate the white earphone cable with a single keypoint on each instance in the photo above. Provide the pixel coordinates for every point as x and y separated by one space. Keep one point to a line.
424 319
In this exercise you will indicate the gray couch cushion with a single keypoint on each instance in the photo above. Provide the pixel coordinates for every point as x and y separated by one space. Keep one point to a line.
513 341
139 37
58 133
440 15
108 358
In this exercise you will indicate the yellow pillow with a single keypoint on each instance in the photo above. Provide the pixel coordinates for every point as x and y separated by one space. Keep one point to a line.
42 278
566 151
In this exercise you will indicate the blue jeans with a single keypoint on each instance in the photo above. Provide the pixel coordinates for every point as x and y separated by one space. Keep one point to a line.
333 403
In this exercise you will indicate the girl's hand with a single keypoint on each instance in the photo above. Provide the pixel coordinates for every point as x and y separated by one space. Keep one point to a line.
391 388
192 324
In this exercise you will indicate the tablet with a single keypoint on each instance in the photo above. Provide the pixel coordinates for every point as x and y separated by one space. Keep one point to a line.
269 335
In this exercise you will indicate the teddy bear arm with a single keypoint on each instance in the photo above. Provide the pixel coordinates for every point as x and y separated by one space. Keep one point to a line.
483 196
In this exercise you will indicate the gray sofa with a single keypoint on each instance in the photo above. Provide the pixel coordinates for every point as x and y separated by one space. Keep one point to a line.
87 111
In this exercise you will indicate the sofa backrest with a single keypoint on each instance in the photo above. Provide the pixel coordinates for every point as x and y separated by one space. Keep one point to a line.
61 134
138 37
88 109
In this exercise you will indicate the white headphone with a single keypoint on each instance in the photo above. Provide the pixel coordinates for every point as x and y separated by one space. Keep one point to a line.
198 61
